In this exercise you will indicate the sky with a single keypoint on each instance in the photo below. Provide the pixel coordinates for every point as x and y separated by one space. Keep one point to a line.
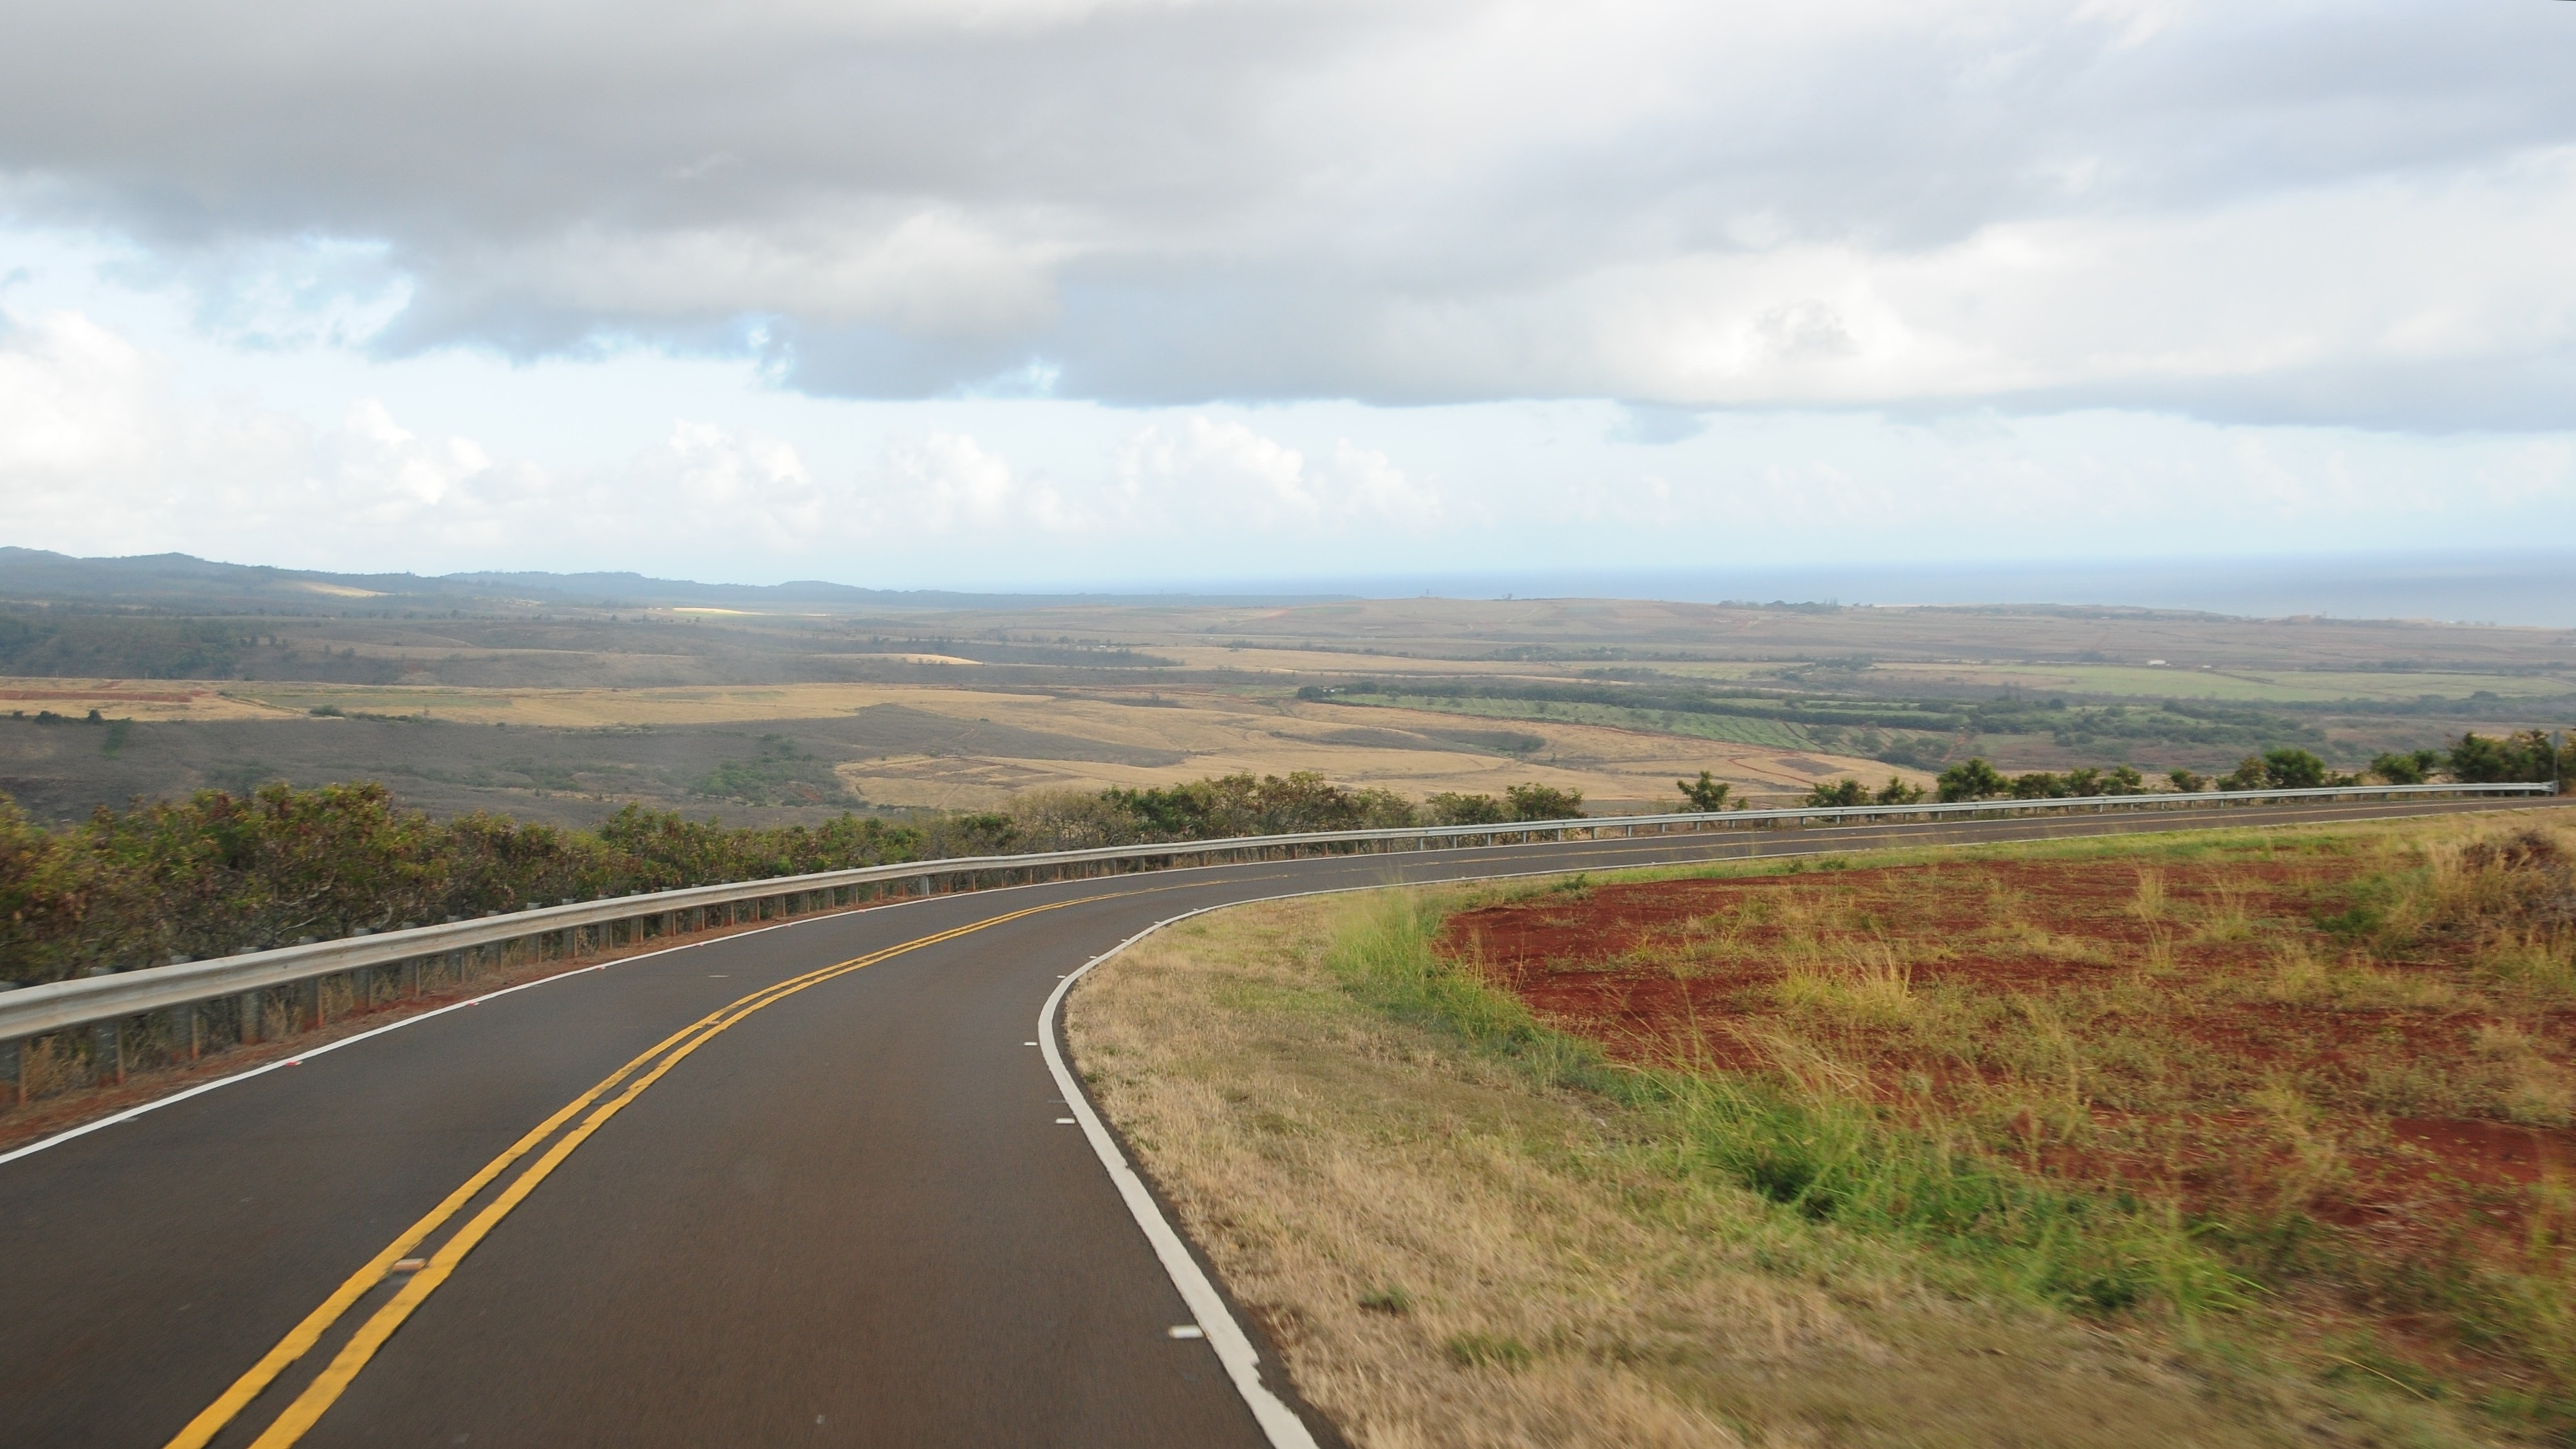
1115 293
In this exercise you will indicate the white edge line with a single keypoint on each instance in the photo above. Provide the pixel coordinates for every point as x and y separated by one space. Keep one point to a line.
1233 1347
297 1059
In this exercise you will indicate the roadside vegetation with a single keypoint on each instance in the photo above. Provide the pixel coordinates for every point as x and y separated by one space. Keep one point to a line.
2528 756
2238 1138
221 873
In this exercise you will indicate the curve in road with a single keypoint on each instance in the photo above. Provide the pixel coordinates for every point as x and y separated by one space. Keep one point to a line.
878 1216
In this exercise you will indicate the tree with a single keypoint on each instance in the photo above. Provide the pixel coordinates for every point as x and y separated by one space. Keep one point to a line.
1705 793
1451 808
2039 785
1897 792
1542 802
2288 768
1837 793
1070 820
1384 809
2249 774
2527 755
2187 781
2125 781
2411 768
1970 779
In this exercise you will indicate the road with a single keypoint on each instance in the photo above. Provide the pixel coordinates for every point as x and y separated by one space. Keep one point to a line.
822 1190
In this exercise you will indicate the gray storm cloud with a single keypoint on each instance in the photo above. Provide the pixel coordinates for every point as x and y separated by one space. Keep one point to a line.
2354 213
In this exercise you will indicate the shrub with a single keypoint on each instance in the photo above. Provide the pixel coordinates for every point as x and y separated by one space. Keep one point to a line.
2413 768
1542 802
220 873
1705 793
1971 779
1449 808
1837 793
1897 792
2188 782
2527 755
2249 774
1070 820
2293 769
1243 804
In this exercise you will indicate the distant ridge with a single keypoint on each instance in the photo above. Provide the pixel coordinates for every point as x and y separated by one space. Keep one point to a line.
177 579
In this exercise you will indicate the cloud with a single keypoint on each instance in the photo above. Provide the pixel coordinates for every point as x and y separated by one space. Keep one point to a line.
1194 480
1221 476
76 401
2345 213
101 453
105 449
948 483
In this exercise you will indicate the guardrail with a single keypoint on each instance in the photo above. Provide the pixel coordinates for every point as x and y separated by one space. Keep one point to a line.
179 1010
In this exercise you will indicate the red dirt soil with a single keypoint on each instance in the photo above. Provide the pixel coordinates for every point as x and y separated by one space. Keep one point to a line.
1686 973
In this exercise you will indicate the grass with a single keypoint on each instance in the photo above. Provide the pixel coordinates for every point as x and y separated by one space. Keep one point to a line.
1733 729
2263 685
1878 1202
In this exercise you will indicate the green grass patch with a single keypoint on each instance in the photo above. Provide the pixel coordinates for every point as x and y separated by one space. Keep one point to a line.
1830 1165
1729 729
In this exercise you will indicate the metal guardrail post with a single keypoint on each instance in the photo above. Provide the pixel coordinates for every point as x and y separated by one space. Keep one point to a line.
13 1061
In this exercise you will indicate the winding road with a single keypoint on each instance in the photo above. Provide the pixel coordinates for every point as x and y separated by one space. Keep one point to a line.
808 1184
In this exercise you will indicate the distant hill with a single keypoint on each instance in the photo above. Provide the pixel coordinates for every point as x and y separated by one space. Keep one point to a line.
183 582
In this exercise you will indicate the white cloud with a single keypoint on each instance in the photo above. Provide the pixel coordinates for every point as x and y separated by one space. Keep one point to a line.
99 453
949 482
76 401
2349 213
107 446
1219 474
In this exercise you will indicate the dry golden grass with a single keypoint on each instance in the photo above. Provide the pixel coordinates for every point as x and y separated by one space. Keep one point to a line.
1214 731
1450 1255
144 699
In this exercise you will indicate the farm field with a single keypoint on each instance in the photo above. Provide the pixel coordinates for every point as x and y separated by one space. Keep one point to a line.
2250 686
2248 1137
1730 729
138 699
524 697
785 752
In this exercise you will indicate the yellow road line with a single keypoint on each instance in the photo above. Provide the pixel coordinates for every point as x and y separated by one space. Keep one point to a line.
319 1395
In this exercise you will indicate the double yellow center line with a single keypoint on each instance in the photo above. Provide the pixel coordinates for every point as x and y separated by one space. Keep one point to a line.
635 1076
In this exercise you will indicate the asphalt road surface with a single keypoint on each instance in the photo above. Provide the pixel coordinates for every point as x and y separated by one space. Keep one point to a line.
811 1184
